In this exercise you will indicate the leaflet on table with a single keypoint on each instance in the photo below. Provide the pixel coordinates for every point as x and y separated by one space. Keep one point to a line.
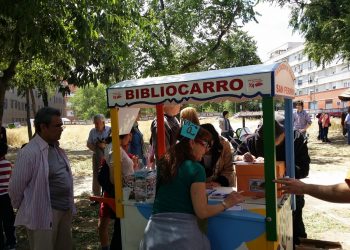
219 193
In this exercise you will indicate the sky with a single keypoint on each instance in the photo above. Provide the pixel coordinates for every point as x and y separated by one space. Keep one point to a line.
272 30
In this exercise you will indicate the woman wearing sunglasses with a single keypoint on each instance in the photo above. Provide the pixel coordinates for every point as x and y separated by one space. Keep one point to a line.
181 198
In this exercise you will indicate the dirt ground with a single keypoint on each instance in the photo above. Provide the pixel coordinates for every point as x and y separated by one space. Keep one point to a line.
324 221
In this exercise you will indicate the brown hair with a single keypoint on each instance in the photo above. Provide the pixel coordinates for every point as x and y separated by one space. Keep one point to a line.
176 155
189 114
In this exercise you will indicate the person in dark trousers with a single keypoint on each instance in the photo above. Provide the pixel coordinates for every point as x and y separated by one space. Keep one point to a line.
7 216
253 147
3 137
319 122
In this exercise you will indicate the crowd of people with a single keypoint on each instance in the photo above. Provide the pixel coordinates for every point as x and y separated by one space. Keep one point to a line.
40 186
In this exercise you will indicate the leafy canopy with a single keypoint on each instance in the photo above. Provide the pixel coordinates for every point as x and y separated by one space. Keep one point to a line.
90 101
325 26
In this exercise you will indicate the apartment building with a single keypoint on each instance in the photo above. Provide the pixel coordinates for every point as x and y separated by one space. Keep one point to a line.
15 106
318 86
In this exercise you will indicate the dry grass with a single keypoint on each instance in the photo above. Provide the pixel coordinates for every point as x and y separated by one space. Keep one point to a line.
325 157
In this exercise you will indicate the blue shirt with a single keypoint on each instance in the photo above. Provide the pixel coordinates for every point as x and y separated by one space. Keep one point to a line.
301 120
95 136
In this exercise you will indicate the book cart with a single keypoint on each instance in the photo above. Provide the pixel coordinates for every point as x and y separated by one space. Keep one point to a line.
256 224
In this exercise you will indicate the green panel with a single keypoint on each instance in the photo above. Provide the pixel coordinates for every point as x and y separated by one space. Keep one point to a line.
270 167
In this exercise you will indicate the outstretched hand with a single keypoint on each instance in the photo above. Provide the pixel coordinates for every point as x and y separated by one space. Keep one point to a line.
291 186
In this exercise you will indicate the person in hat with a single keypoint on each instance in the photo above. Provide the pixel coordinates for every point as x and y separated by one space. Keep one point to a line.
129 164
253 147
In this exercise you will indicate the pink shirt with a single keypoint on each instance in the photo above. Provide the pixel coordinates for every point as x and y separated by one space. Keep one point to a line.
29 186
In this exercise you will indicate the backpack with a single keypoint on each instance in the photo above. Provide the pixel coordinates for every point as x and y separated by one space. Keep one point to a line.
103 179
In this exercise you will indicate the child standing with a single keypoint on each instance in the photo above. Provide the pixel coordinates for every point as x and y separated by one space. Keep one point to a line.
7 216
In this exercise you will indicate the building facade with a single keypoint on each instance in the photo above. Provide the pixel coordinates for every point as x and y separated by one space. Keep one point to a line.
318 86
15 106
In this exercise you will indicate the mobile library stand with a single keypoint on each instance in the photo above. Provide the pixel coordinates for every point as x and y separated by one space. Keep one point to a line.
258 224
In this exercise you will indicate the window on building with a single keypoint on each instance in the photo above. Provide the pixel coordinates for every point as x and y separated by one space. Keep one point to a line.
15 104
300 68
310 80
310 65
313 105
300 81
329 104
12 104
5 103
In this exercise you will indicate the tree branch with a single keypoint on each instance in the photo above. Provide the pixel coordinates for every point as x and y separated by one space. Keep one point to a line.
211 50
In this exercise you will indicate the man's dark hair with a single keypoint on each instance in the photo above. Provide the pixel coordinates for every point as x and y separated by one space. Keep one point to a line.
3 149
299 102
224 113
44 116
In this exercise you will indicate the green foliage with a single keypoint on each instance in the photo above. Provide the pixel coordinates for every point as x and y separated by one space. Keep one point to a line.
186 36
89 101
35 74
91 42
325 26
83 42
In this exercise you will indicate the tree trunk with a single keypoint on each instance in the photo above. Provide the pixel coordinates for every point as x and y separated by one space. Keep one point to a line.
29 125
2 98
7 75
33 101
45 98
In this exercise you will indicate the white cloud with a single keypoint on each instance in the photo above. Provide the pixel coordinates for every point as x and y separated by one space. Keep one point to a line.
272 30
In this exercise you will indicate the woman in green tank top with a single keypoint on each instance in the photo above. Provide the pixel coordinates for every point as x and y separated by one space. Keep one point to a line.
181 198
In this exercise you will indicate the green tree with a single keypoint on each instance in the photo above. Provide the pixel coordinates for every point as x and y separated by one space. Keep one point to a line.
84 42
325 26
89 101
186 36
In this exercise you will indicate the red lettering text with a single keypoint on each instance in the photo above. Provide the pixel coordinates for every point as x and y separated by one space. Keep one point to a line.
236 84
208 87
195 89
129 94
183 89
221 84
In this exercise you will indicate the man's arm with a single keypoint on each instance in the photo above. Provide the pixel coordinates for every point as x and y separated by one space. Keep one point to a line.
20 177
90 143
339 193
308 120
